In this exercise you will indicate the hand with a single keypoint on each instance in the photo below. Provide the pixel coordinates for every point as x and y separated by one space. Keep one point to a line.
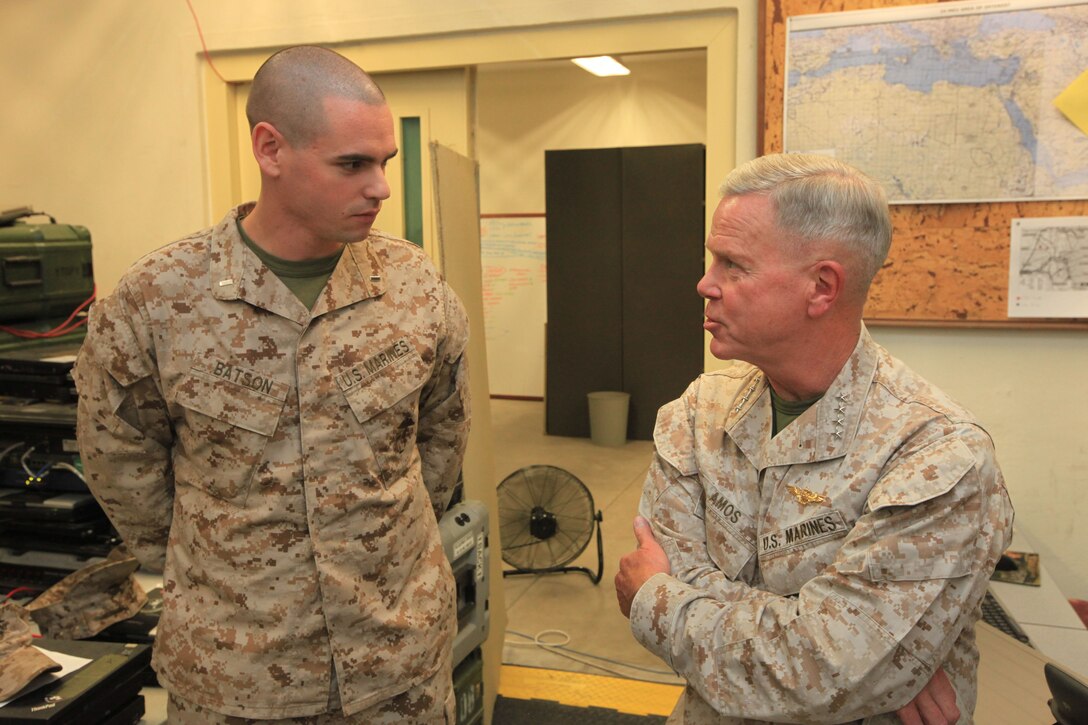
638 566
934 705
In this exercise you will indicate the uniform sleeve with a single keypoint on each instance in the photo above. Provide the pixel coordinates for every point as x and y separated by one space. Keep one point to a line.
444 408
123 428
863 636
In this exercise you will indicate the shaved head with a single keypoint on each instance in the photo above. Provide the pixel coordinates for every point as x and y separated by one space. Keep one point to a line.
288 91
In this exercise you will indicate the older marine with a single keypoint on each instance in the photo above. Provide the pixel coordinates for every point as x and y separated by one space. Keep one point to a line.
819 523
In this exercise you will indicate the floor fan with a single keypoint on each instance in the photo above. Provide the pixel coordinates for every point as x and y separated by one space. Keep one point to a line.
546 519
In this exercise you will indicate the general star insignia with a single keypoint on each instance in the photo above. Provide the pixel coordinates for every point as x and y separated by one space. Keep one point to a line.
804 496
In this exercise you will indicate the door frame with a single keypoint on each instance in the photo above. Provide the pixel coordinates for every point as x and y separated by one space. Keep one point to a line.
731 136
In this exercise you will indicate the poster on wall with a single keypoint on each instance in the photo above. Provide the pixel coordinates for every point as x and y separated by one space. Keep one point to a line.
512 251
945 102
1048 267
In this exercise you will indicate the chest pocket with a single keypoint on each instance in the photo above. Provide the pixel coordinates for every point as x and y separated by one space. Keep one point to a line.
387 409
224 432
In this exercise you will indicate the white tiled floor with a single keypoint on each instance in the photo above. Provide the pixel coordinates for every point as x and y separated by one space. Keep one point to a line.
570 602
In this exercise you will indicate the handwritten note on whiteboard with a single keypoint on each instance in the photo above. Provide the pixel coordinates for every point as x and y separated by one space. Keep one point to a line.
512 250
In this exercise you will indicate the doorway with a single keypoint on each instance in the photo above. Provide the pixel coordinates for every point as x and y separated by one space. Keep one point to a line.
526 108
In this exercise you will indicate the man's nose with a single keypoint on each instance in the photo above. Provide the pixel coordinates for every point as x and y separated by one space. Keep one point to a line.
705 288
378 186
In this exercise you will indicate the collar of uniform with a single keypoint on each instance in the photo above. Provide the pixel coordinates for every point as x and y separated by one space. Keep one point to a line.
358 276
227 261
239 274
747 419
827 429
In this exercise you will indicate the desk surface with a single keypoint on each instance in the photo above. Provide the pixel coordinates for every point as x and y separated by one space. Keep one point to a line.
1011 685
1045 615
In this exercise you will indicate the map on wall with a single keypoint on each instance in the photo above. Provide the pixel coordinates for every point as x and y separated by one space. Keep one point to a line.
1048 267
945 102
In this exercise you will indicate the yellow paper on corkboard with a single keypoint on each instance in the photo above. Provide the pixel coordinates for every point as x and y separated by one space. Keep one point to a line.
1073 102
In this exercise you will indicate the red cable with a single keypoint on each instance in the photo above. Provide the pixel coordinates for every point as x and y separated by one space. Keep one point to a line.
200 33
19 590
62 329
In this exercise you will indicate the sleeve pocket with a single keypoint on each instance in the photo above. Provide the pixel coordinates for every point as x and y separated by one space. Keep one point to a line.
925 528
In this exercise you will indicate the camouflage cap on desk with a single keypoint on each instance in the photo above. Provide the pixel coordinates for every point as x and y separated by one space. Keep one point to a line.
90 599
20 661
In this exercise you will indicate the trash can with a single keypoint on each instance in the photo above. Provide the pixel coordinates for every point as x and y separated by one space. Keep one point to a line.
608 417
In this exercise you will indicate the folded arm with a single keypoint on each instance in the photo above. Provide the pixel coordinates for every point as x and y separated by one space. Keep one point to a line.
862 637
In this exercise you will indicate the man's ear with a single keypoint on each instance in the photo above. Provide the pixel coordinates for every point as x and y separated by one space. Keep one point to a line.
828 284
268 145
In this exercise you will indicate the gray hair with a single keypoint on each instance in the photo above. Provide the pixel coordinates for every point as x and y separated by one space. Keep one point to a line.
817 198
289 88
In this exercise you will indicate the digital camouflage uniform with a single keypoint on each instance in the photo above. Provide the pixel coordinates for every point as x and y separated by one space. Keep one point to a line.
90 599
286 466
20 661
823 575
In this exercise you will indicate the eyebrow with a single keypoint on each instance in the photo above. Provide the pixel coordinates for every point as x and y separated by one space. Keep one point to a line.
362 158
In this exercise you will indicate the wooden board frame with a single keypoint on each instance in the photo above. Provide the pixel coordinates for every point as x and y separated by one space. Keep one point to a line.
949 263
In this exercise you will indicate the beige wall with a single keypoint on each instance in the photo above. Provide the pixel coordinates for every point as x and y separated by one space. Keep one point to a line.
102 122
103 126
524 109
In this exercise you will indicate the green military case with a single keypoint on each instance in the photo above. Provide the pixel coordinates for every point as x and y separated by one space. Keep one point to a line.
45 270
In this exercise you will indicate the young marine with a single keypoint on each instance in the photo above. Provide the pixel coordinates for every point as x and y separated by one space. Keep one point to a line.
273 412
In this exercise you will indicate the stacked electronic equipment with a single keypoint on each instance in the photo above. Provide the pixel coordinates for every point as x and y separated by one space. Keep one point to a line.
50 525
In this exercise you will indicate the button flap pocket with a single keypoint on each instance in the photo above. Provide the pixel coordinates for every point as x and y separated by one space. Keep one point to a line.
381 391
251 402
924 475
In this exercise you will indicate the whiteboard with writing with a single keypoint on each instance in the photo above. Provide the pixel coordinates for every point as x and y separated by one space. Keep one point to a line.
512 251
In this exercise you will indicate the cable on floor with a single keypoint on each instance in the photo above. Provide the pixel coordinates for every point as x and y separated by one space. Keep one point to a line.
560 648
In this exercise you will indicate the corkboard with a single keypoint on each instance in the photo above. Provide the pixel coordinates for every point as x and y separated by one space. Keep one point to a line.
949 263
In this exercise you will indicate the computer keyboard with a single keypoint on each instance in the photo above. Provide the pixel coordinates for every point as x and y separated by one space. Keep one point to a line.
996 616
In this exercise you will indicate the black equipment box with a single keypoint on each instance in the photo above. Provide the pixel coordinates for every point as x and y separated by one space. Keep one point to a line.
39 371
47 432
105 691
35 506
468 688
45 270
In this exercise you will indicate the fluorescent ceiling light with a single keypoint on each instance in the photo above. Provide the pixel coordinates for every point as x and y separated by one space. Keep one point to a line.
602 65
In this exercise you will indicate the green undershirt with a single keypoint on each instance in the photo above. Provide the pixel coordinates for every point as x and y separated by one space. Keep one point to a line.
787 411
305 278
